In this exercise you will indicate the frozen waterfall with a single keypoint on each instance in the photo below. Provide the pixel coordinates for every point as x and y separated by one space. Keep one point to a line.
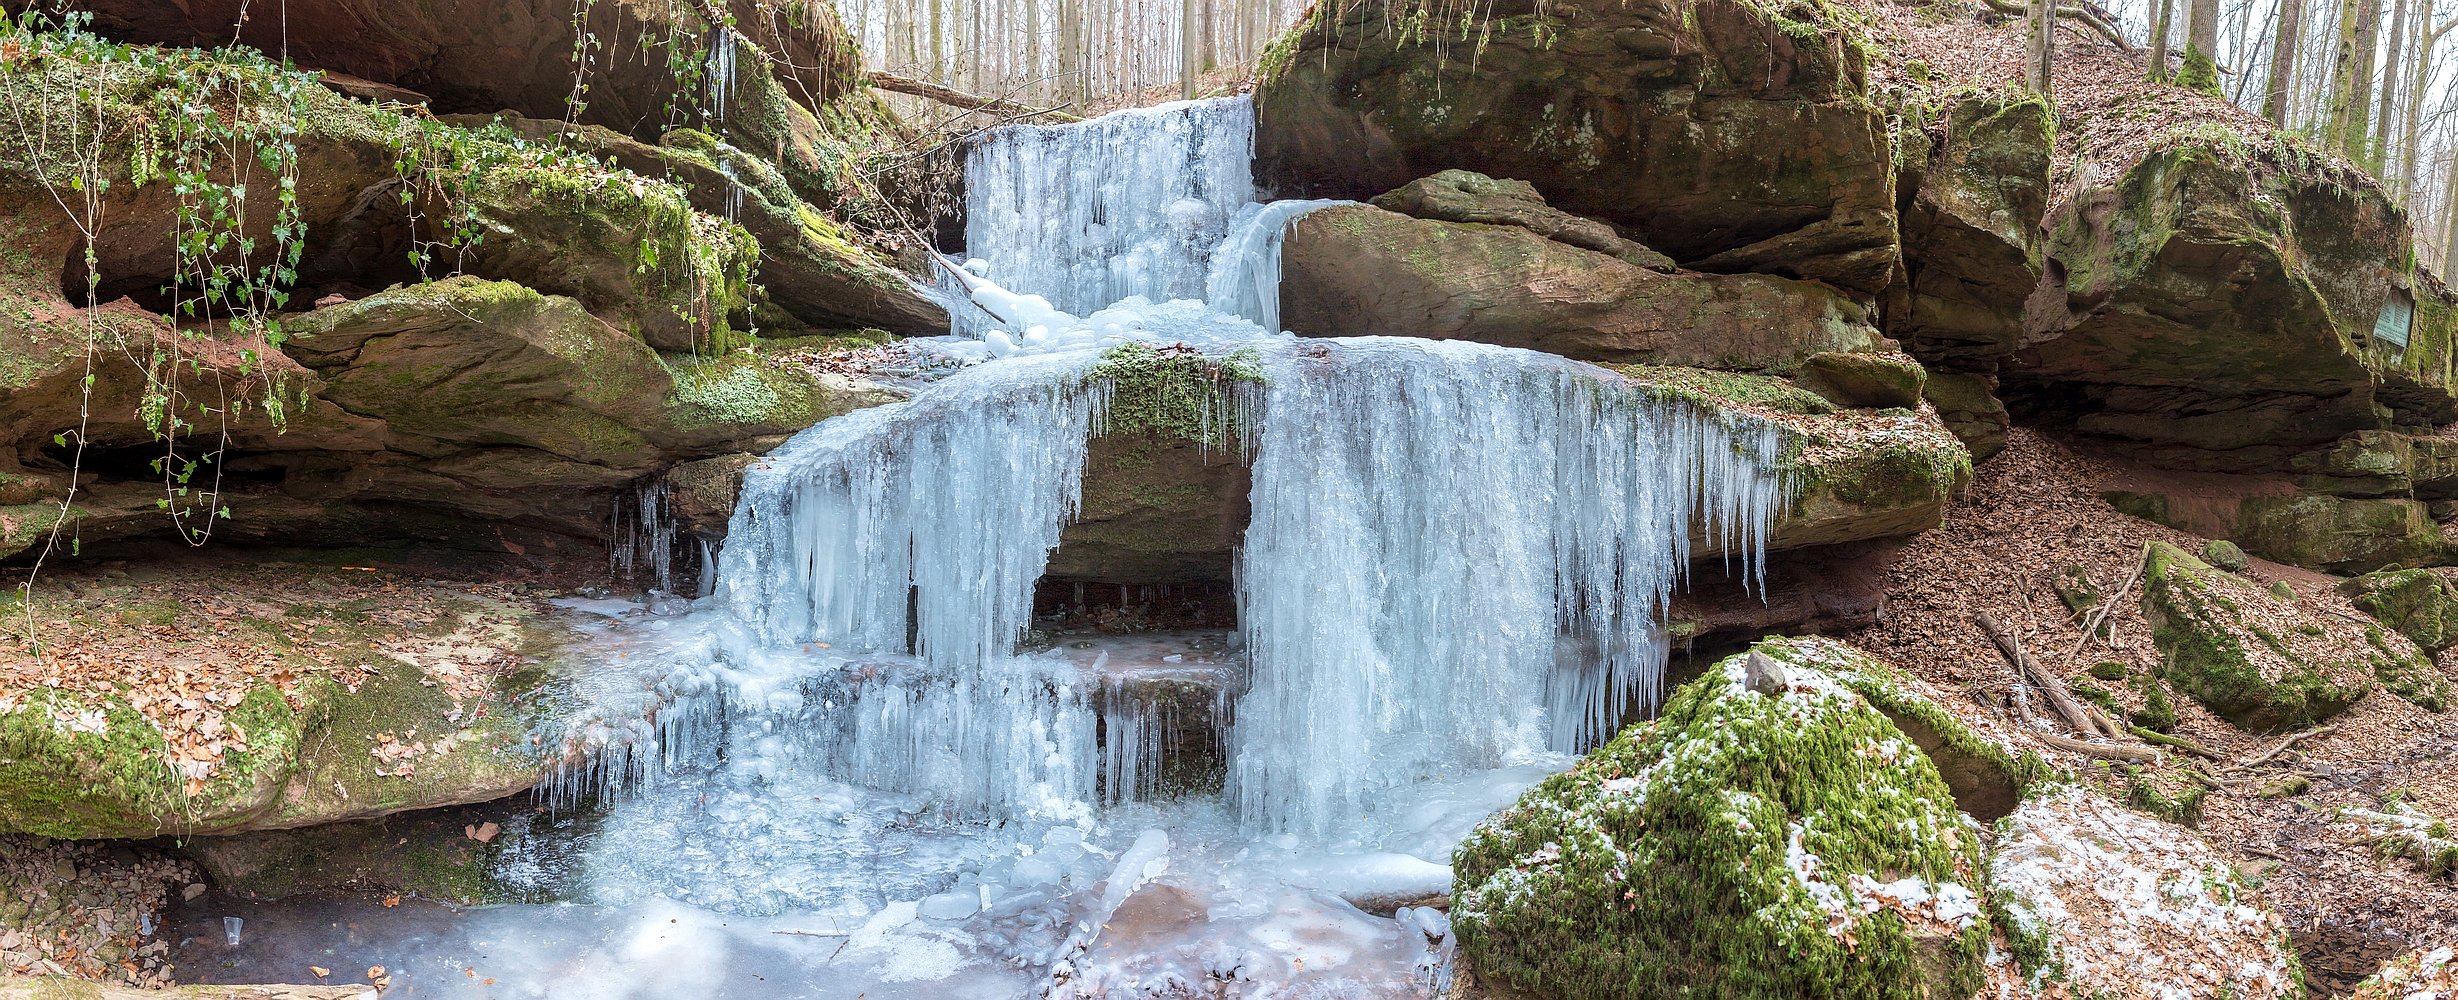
1458 556
1127 204
1458 559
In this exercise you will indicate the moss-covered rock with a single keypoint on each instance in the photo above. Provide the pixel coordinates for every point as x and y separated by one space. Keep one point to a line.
2239 651
1785 839
1864 379
1356 270
432 720
2087 888
2420 604
1730 135
2259 237
1971 232
1969 406
2224 554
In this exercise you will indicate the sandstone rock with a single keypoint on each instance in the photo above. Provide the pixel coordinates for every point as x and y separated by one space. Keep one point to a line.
2089 888
433 721
1468 196
2224 554
1359 270
1864 380
1971 233
2246 655
517 55
2420 604
1728 135
2267 517
1682 856
2293 265
1968 406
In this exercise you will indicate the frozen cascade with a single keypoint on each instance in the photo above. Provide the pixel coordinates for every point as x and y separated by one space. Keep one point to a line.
1457 561
1245 276
1131 203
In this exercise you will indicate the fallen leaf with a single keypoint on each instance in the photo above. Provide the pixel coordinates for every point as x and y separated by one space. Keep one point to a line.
483 833
320 971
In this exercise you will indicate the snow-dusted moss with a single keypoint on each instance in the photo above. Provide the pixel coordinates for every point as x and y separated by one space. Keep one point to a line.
1744 844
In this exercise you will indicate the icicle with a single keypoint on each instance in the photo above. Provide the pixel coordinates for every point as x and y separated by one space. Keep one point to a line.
720 75
916 526
1457 560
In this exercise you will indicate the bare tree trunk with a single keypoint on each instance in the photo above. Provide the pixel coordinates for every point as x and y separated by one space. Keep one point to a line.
2201 67
1070 53
2283 62
2351 76
2359 105
2040 37
2449 219
2159 39
1190 14
2253 55
2409 133
2391 66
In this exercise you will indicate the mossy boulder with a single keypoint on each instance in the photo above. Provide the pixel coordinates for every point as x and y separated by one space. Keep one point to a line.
2254 660
1361 270
2420 604
2087 888
422 725
1777 839
2224 554
2285 251
1729 135
1971 231
2269 518
1864 380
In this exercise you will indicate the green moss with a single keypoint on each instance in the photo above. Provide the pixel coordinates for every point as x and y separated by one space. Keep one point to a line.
2199 72
2110 670
1659 865
2418 603
1722 389
1174 392
82 769
2158 713
2146 792
2196 617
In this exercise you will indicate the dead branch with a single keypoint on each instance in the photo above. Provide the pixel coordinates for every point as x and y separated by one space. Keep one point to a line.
2051 686
2105 751
2179 742
2097 617
954 98
2087 16
2258 759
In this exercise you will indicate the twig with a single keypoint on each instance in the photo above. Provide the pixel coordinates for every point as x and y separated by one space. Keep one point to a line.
2099 616
2179 742
2257 759
954 98
2051 686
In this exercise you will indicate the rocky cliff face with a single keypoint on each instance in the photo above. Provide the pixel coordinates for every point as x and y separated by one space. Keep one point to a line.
434 327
